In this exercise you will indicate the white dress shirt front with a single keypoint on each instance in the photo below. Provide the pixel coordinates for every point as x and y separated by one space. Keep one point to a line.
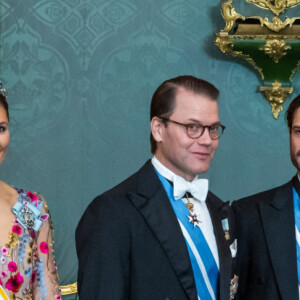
200 209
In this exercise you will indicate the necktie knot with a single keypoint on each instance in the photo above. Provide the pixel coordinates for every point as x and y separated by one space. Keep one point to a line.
198 188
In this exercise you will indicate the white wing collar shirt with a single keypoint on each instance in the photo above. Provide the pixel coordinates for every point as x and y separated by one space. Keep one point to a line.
199 196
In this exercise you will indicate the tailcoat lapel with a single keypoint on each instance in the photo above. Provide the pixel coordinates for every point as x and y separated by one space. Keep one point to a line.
152 202
279 227
216 212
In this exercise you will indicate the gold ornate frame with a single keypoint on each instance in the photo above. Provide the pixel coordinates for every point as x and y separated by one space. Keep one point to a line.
266 45
277 7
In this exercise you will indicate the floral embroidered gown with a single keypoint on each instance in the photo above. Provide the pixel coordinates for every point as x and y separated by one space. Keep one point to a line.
27 265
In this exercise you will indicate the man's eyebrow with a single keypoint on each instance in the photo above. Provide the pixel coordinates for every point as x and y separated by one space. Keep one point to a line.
199 122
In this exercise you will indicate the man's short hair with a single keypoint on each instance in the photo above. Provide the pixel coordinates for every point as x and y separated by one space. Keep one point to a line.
294 105
163 100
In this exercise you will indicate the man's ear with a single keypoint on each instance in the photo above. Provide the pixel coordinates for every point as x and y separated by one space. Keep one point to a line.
157 128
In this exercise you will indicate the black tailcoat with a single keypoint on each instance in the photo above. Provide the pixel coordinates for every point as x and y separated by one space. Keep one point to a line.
266 257
130 245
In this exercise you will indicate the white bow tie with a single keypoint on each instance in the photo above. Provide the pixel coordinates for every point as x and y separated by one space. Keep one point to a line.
198 188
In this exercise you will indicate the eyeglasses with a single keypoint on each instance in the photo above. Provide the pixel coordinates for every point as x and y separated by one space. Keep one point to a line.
195 130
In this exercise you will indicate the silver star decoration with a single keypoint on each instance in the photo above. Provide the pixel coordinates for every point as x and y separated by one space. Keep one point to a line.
194 220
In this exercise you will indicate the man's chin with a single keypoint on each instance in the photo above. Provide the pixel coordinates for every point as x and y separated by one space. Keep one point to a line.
296 163
202 170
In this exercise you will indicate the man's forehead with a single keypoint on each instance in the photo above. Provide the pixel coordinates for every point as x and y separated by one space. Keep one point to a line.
198 110
184 95
296 117
186 91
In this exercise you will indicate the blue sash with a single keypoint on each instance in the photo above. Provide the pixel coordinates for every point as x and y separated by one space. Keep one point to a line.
297 223
206 271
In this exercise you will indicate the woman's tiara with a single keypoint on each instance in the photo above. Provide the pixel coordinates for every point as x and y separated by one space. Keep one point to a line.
3 91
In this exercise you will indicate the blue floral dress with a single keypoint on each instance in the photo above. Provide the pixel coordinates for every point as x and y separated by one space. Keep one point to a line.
27 265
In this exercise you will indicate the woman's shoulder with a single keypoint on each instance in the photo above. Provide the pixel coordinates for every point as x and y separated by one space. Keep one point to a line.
11 192
29 195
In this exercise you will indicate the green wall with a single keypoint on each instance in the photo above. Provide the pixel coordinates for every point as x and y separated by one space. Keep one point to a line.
80 75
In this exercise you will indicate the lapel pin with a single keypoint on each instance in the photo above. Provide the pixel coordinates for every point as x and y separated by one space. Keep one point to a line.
225 225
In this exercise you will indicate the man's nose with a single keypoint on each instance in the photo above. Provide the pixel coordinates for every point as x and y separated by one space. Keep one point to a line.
205 137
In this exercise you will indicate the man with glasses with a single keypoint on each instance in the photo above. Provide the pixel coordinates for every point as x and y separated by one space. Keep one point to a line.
161 234
267 227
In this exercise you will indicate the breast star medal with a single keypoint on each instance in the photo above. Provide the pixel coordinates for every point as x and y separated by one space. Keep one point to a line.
193 218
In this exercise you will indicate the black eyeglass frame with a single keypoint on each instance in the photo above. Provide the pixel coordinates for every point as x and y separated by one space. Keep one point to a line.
187 126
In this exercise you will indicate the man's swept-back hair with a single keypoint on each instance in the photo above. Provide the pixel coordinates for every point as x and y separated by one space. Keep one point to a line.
295 104
163 100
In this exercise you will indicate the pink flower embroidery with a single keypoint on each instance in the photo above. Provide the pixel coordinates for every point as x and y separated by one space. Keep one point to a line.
33 198
3 274
44 247
32 234
4 250
57 297
17 229
33 275
14 283
55 265
12 266
44 217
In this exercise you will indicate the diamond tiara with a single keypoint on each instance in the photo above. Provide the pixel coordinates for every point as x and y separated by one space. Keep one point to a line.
3 91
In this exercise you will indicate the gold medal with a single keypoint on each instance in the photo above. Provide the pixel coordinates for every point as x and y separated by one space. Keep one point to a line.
233 286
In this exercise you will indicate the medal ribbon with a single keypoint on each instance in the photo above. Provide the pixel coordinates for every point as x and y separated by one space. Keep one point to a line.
206 271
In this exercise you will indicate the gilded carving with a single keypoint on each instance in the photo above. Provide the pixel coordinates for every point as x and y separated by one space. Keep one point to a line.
276 24
275 48
69 289
230 15
254 40
276 6
276 96
226 46
295 70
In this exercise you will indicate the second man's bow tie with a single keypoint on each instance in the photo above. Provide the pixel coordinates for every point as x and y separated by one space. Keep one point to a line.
198 188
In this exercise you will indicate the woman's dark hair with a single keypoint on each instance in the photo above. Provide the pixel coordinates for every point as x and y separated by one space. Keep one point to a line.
3 100
4 104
